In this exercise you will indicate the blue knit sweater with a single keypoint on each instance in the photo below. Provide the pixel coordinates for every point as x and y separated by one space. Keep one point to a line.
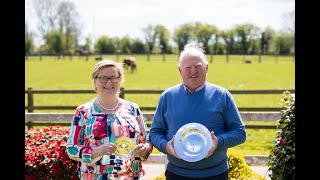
213 107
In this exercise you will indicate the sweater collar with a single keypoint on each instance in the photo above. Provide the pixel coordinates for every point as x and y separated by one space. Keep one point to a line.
196 90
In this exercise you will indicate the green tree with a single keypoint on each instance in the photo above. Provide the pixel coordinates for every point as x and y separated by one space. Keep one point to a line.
116 42
283 43
88 44
266 39
62 15
254 46
46 15
289 25
229 39
104 45
137 46
204 33
183 35
150 37
289 22
56 42
125 45
216 44
28 41
163 37
246 33
69 23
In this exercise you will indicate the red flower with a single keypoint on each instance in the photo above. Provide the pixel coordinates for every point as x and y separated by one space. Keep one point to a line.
45 155
74 177
281 142
66 162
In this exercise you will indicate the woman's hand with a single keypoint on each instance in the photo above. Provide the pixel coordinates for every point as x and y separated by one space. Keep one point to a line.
141 149
107 148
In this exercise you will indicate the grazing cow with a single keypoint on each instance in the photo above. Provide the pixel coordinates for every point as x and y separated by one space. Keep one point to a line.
83 53
66 53
130 62
248 61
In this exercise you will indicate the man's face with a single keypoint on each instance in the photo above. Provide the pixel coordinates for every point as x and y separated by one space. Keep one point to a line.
193 71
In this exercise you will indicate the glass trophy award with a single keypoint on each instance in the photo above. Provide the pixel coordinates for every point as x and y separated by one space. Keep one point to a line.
192 142
125 147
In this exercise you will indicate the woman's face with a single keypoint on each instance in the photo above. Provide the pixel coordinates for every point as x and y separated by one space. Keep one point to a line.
107 82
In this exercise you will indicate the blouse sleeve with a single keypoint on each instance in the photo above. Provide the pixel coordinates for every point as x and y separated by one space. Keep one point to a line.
76 149
144 132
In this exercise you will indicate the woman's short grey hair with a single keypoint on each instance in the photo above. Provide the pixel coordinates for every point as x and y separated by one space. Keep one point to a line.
108 63
193 49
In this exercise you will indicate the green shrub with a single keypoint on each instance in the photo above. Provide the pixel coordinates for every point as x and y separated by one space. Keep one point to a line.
238 168
282 158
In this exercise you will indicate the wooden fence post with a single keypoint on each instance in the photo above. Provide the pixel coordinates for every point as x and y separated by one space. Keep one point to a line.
122 92
227 57
30 100
148 57
30 124
260 58
163 57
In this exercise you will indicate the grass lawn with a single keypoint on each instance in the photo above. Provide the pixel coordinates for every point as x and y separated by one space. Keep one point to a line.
50 74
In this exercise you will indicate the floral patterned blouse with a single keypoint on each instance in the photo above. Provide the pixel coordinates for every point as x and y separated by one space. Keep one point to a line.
91 127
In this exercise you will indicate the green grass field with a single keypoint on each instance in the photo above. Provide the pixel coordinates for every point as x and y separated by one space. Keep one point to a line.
50 74
276 73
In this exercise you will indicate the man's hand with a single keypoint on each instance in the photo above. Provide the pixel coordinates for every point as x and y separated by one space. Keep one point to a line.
170 148
214 144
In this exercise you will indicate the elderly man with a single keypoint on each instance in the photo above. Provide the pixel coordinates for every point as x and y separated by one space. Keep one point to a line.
197 101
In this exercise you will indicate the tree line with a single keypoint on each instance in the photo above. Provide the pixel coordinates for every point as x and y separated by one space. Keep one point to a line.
60 29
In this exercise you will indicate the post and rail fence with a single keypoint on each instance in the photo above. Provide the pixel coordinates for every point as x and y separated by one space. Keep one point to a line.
247 113
31 107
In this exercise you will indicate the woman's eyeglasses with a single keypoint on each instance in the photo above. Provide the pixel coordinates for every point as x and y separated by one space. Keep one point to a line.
105 79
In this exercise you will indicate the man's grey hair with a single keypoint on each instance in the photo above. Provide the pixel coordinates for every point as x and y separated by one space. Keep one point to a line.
193 49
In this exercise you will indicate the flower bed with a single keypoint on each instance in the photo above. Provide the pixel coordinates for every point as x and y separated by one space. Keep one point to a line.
45 155
46 158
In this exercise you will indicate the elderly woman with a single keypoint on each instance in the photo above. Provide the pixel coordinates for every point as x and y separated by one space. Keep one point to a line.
108 135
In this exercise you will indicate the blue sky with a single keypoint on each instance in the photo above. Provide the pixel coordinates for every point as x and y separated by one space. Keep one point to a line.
129 17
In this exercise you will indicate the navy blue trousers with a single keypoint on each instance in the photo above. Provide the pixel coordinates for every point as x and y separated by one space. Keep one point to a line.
172 176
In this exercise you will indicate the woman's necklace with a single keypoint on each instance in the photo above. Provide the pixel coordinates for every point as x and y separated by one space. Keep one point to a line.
107 108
